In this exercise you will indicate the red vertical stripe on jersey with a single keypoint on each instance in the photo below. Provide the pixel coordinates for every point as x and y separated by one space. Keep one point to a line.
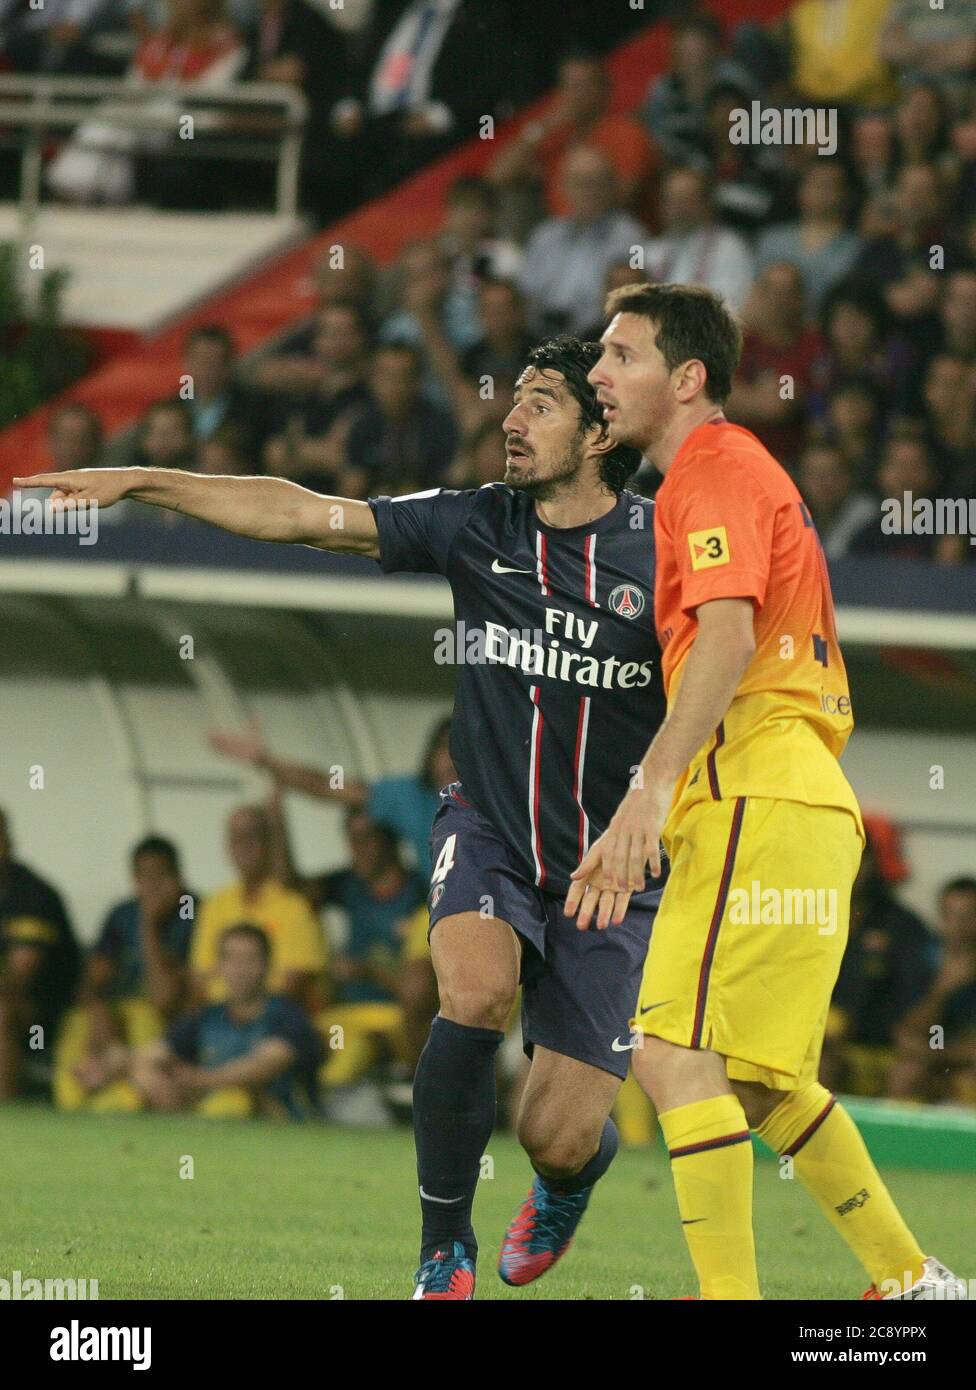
589 570
535 760
710 762
582 729
717 915
541 566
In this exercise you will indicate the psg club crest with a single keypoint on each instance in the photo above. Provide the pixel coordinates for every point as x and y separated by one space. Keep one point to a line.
437 892
627 600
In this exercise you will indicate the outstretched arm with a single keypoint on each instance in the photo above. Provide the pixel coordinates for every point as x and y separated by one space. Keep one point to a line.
267 509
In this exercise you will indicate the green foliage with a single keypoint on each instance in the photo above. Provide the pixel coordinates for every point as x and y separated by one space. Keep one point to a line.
38 356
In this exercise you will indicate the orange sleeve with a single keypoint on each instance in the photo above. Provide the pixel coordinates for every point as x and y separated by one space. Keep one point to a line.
720 520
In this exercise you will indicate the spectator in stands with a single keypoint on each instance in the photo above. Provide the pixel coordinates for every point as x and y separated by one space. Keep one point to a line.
820 242
854 421
957 315
482 457
858 345
750 183
872 152
693 248
476 254
402 442
937 1040
375 894
921 127
194 46
950 407
567 258
886 969
907 466
39 961
676 109
254 1053
429 295
480 380
329 392
769 394
939 43
218 398
899 262
135 979
296 941
427 83
74 438
578 115
165 437
838 62
839 506
407 803
52 37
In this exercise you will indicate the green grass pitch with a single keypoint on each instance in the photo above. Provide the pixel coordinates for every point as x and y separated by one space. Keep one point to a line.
274 1211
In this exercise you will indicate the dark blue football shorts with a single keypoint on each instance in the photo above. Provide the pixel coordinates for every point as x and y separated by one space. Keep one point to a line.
579 989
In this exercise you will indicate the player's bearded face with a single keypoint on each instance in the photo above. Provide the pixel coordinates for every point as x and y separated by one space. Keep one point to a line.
544 440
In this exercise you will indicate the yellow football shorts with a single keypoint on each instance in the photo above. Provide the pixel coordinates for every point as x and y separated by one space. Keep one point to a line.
750 934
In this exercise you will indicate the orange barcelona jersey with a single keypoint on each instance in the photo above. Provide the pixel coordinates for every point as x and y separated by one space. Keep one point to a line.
729 523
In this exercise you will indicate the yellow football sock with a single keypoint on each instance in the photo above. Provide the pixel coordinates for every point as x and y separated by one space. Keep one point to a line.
832 1162
711 1163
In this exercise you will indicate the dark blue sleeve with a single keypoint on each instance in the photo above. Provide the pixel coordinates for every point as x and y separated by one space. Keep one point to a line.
183 1036
109 942
416 531
289 1023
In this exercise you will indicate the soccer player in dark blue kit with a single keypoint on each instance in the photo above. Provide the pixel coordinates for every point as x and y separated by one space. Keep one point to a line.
558 693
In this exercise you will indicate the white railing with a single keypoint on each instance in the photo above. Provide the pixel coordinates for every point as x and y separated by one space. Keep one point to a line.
250 121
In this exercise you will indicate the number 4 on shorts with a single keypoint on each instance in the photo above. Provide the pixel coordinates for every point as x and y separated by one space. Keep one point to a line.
445 860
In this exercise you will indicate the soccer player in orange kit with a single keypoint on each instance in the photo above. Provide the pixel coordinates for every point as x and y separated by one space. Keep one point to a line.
743 784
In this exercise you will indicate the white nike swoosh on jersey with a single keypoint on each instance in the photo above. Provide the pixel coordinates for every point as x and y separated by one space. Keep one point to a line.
445 1201
618 1046
505 569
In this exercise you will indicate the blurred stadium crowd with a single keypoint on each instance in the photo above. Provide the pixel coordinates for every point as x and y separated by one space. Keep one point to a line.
855 275
293 995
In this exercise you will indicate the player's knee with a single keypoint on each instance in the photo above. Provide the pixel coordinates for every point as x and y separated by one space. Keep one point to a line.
555 1154
476 1003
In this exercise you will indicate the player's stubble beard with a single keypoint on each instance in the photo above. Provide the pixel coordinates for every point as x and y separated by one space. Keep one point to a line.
565 477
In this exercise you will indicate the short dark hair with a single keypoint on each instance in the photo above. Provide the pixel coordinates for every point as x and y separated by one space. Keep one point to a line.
963 884
857 294
211 333
252 933
692 322
470 188
159 846
575 359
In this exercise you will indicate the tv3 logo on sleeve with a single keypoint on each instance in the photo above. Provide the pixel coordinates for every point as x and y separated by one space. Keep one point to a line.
709 548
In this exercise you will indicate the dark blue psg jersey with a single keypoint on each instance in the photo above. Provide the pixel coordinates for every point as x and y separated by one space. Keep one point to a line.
559 688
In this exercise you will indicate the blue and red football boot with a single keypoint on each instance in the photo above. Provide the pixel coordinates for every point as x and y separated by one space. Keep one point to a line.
540 1232
447 1276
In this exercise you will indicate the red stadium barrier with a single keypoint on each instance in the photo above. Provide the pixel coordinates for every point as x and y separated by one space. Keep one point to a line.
266 302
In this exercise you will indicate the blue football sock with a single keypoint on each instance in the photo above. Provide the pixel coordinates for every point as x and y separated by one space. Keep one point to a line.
453 1116
592 1171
